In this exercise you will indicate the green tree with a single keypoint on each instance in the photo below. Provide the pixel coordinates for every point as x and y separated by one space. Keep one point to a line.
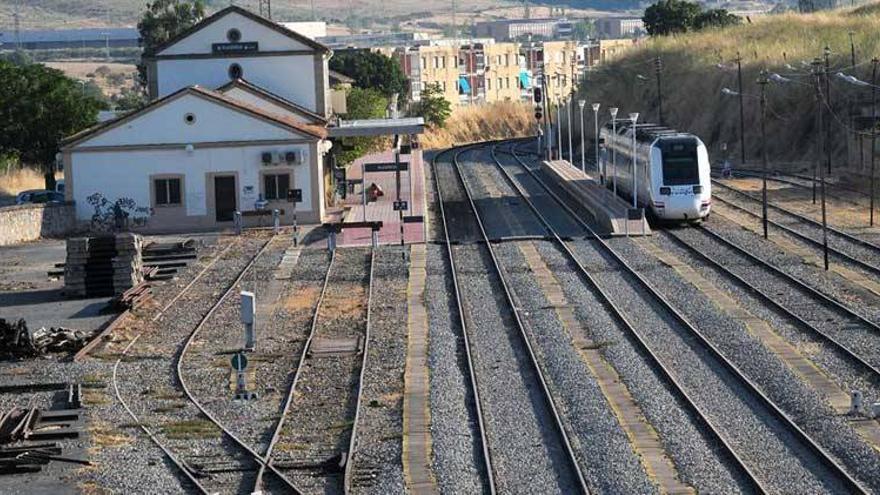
717 18
670 17
129 99
433 106
361 103
372 70
162 21
39 107
584 29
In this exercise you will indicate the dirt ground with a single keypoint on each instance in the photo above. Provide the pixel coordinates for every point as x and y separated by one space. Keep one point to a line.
82 70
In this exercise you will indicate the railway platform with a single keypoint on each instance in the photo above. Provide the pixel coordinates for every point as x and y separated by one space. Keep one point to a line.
412 190
610 211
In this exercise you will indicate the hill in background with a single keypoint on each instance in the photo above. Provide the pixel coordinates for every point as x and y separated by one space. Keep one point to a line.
60 14
698 65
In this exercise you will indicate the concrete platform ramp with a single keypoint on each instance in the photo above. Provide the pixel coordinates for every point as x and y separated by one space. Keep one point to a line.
611 212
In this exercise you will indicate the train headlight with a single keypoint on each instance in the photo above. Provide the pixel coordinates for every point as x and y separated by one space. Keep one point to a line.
698 189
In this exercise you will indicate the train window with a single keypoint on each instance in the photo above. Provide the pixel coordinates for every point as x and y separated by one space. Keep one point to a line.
680 165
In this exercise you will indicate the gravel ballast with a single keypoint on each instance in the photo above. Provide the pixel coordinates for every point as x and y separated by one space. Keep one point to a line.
458 463
377 462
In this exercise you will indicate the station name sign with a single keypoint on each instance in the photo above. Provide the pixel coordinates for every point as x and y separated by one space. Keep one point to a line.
386 167
240 47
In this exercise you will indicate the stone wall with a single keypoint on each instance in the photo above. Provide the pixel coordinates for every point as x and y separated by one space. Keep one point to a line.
24 223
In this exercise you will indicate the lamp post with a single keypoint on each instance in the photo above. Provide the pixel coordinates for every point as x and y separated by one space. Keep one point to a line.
762 81
599 169
558 128
582 104
614 149
634 117
568 111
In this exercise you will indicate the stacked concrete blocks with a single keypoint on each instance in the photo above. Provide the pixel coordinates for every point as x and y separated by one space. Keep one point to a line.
102 266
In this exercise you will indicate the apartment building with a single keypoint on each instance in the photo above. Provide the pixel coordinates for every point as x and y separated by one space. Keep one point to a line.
619 27
559 63
507 78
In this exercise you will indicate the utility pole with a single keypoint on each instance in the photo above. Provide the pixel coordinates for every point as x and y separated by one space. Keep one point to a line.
762 81
742 119
658 68
820 73
827 53
874 63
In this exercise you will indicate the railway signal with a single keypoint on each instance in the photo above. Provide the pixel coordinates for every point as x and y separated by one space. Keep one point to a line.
239 364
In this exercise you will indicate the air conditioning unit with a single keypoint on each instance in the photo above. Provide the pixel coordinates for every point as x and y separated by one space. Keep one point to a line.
293 157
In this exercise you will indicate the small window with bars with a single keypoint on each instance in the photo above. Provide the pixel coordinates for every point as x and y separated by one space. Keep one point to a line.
167 192
275 186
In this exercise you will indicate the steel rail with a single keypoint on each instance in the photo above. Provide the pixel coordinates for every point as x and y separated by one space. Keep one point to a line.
828 301
288 399
180 464
821 454
835 344
521 326
180 375
462 320
352 441
618 315
800 235
845 235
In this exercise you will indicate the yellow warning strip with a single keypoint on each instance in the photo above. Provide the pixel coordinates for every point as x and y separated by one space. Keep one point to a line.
643 438
790 355
417 466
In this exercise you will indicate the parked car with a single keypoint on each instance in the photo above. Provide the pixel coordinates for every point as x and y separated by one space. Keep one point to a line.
39 196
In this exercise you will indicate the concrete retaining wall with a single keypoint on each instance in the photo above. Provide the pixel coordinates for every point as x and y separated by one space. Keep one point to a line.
24 223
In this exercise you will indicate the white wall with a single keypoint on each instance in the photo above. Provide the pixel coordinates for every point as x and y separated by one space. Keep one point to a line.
201 41
214 123
126 174
290 76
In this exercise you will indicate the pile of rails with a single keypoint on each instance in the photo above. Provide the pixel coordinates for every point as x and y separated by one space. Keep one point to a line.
103 266
21 425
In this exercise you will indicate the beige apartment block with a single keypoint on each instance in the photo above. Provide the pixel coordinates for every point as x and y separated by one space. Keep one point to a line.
502 72
439 65
560 67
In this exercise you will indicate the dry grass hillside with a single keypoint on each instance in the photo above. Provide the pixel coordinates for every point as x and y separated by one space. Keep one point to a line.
697 66
480 123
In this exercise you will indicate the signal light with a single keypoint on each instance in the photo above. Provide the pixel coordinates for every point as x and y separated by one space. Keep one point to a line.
538 95
539 115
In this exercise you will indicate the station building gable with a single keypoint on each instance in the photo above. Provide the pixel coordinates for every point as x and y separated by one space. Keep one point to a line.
237 44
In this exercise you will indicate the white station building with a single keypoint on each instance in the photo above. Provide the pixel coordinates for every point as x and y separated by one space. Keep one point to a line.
238 115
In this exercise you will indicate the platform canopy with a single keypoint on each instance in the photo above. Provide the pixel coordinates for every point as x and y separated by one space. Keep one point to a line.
377 127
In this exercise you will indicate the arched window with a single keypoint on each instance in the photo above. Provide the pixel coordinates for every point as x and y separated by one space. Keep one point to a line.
235 71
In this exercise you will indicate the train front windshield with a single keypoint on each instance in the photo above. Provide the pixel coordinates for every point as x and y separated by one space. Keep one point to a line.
680 165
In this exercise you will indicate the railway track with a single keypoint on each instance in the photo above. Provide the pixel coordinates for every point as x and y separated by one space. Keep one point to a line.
530 451
235 455
804 182
850 334
816 243
829 466
867 250
317 428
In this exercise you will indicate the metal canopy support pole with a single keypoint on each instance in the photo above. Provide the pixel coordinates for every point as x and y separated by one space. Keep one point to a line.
570 149
364 188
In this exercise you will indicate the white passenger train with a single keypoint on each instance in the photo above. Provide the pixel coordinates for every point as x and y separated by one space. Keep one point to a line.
672 170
